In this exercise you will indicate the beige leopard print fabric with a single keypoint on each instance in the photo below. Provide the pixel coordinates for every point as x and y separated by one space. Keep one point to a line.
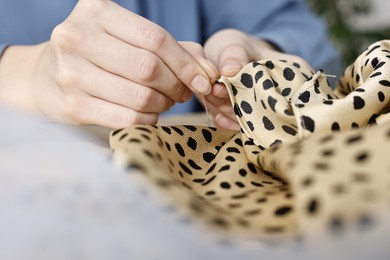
308 161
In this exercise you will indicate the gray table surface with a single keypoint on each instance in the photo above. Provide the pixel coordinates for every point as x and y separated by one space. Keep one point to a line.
61 197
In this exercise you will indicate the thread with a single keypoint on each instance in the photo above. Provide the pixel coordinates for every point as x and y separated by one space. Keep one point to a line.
207 111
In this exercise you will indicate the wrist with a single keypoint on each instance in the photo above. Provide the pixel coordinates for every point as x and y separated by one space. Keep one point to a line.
17 73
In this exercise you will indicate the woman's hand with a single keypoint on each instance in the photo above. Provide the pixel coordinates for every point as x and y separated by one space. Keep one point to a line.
230 50
103 65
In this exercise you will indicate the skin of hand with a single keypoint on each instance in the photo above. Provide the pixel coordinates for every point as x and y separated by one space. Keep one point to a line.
104 65
230 50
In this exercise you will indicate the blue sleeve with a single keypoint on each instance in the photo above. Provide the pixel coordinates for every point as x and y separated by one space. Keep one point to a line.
288 24
2 48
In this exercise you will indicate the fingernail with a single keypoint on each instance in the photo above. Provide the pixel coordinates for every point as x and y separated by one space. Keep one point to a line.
201 84
231 67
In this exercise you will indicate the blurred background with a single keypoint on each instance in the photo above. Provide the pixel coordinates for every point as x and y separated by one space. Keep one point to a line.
354 24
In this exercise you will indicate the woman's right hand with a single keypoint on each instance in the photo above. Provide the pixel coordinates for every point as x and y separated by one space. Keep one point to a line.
103 65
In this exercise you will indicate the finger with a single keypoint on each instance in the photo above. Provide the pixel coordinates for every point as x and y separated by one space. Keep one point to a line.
221 121
141 33
220 91
99 112
232 59
196 50
137 65
121 91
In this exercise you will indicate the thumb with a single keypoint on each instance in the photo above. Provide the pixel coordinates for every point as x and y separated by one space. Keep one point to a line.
232 60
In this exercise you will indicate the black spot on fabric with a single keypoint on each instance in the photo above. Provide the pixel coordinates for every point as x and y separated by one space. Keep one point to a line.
372 120
177 130
211 168
252 168
246 107
308 123
194 165
149 154
237 110
288 112
312 206
233 150
374 62
238 141
168 146
308 181
357 78
305 97
296 65
166 129
258 75
354 125
116 132
123 136
286 92
268 124
207 135
380 65
234 89
373 49
209 180
327 153
180 149
272 103
257 184
210 193
282 211
385 83
192 143
185 168
366 62
376 74
381 96
208 157
358 103
362 157
240 184
263 104
288 74
146 137
335 127
224 168
267 84
354 139
225 185
289 130
242 172
135 140
270 65
143 129
190 127
246 80
328 102
230 158
250 125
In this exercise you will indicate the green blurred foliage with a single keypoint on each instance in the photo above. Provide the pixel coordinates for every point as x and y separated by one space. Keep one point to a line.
350 42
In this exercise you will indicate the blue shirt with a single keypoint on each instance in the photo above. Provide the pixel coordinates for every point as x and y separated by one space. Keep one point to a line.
289 24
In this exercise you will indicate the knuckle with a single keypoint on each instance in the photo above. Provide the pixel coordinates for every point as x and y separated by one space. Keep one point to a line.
143 99
75 109
155 37
67 35
148 68
66 77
